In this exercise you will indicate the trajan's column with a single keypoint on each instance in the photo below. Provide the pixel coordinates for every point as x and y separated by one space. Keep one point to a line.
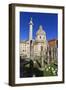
30 29
31 38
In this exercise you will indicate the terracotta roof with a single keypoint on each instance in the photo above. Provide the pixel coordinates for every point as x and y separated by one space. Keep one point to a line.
53 42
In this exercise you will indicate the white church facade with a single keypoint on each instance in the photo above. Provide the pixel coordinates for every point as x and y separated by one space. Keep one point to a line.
38 47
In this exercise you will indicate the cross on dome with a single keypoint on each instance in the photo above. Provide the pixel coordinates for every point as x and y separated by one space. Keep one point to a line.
40 27
40 31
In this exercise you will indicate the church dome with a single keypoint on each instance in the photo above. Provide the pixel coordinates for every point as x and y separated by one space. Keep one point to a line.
40 31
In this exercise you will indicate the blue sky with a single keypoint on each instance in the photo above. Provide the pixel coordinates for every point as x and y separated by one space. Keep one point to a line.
49 21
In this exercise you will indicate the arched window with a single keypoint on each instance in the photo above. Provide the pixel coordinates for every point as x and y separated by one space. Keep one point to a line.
40 37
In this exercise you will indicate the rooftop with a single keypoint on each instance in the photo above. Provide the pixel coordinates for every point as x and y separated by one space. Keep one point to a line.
53 42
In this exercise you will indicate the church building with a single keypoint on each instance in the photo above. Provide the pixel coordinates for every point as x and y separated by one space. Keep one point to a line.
38 47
